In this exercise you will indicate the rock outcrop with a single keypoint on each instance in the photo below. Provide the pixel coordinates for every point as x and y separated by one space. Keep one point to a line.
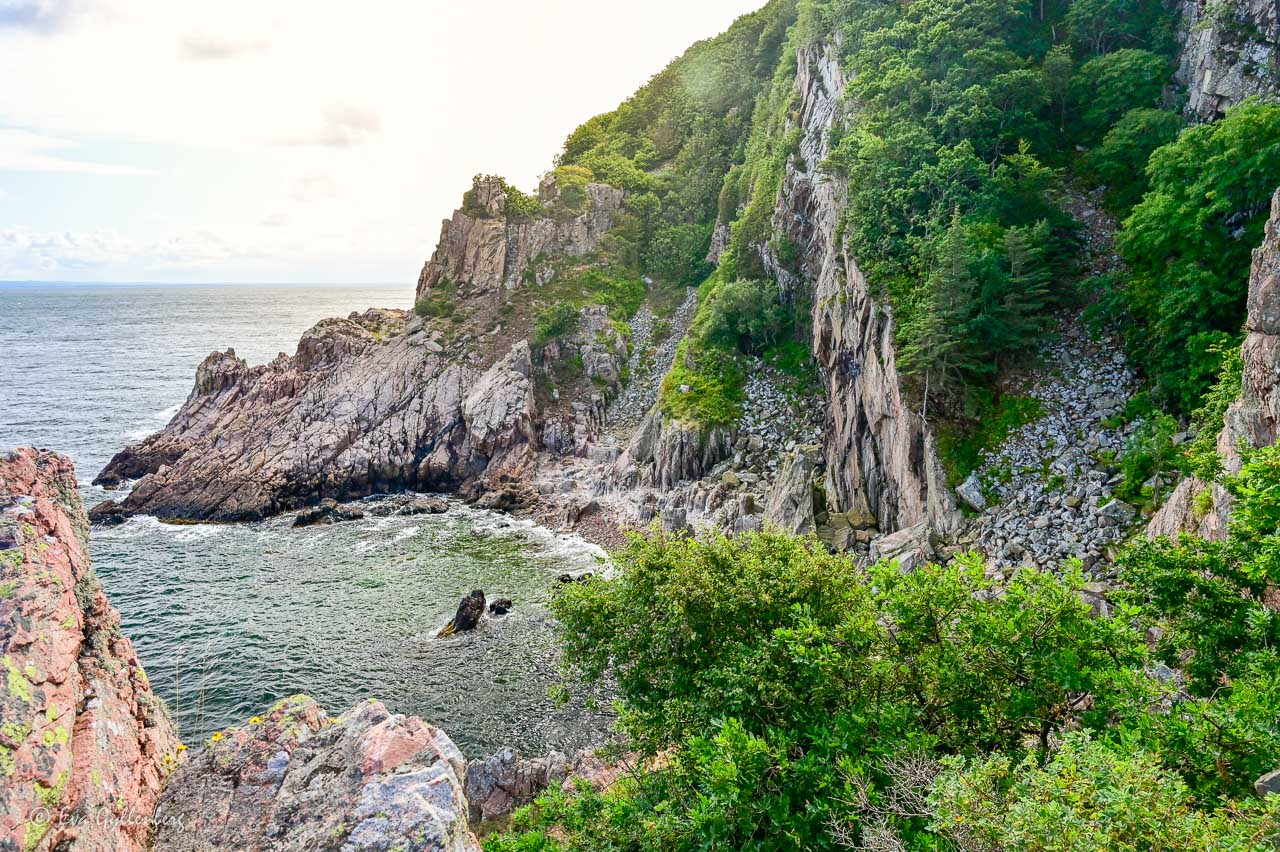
84 744
368 404
1229 53
484 247
880 453
503 782
1254 418
298 780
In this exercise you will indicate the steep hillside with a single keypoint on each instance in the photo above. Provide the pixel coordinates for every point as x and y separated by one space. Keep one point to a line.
778 285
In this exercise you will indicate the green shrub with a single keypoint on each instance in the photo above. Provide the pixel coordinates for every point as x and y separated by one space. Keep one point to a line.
1209 596
1108 87
440 301
518 205
1120 162
554 323
1088 796
703 387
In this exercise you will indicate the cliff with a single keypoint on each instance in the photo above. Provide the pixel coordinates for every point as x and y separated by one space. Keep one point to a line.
1228 53
85 746
880 455
485 247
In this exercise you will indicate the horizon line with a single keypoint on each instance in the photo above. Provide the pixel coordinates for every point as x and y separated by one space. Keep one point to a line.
39 282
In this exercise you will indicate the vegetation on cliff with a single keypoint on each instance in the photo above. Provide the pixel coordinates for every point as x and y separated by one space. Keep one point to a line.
799 701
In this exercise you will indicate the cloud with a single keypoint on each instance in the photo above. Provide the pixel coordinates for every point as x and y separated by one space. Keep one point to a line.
343 126
24 151
200 47
275 220
38 16
28 254
314 187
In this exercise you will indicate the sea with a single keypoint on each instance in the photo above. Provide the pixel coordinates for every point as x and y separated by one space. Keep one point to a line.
227 619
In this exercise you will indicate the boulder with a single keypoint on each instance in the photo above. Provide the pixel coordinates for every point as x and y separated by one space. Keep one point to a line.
297 780
970 491
909 547
1268 784
108 513
328 512
503 782
85 746
470 611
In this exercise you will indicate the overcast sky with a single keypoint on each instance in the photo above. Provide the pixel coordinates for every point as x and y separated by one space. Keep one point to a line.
293 140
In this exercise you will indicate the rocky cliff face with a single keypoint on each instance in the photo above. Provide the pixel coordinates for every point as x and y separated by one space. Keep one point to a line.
368 403
1254 418
483 248
880 457
1228 53
84 745
295 779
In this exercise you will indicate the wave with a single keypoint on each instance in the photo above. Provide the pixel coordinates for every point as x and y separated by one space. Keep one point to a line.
155 423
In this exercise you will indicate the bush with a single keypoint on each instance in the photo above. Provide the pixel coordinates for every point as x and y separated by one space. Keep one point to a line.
714 382
1209 597
440 301
1088 796
554 323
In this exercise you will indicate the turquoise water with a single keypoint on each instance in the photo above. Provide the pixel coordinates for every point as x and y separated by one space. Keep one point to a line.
227 619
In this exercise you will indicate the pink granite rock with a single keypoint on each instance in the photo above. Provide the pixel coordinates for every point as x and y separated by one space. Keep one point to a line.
84 744
296 780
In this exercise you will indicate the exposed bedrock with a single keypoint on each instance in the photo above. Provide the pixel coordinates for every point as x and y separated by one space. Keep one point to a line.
367 404
295 779
481 248
1228 53
84 745
880 456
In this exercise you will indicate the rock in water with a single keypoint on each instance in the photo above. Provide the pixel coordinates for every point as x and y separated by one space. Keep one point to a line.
469 613
85 746
328 512
296 780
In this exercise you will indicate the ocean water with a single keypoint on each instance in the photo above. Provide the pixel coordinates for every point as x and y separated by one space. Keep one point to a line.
229 618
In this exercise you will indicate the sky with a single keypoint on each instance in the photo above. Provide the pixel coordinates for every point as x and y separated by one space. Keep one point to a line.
293 140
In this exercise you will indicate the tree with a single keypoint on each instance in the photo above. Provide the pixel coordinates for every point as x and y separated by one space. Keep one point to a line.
1188 246
1109 86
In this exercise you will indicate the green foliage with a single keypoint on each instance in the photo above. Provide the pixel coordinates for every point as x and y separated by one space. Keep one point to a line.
1108 87
679 134
800 701
1188 246
554 323
1088 796
1099 26
741 314
703 386
774 631
1209 596
1202 454
441 301
991 419
1148 453
518 205
572 199
1120 162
